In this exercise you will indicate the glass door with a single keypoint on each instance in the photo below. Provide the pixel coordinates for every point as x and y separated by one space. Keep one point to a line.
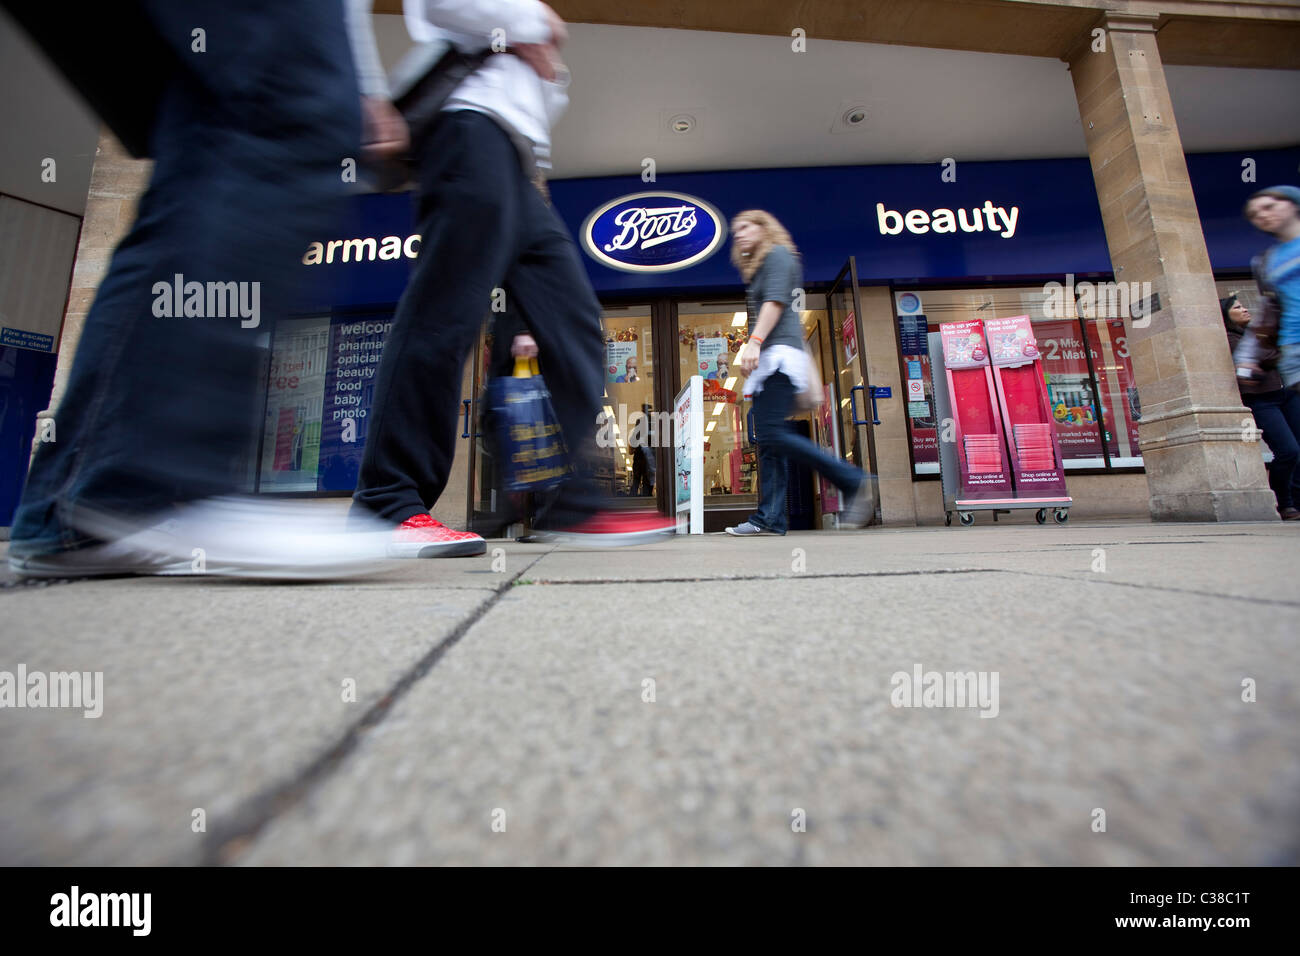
628 466
709 335
856 404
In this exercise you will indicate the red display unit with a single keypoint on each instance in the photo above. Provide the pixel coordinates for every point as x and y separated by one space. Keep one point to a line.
1037 468
984 472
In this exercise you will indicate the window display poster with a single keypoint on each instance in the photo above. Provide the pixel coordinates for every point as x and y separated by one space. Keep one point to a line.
688 457
920 413
828 438
296 385
713 359
1108 342
1069 389
1011 341
356 344
963 345
621 363
849 332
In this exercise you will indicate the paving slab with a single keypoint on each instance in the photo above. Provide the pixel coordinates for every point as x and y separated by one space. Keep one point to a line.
773 704
211 694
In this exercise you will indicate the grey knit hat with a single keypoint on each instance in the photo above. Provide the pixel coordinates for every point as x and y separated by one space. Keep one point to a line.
1291 193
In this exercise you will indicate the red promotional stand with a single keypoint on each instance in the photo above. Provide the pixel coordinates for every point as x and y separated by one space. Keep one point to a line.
998 449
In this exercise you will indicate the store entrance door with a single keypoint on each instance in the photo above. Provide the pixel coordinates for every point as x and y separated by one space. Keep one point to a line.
855 400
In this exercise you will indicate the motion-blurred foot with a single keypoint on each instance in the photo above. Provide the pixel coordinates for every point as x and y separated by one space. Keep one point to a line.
421 536
226 537
613 529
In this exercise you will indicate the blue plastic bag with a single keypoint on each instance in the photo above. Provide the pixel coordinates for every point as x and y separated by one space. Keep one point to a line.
528 439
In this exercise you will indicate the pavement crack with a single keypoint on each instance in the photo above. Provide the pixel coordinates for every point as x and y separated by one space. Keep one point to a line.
1098 579
768 577
233 835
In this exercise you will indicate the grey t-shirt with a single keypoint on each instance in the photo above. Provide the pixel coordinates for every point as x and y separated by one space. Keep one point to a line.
775 281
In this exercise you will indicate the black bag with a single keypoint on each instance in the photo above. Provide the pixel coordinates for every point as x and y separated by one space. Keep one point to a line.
420 85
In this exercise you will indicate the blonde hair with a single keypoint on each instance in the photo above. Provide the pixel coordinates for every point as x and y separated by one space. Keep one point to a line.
774 234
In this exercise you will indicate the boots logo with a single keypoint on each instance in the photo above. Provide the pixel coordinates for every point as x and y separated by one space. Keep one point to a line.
653 232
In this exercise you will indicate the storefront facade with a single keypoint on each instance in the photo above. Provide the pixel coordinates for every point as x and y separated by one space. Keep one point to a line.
889 253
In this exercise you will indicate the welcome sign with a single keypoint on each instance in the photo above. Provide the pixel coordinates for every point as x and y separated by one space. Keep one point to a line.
653 232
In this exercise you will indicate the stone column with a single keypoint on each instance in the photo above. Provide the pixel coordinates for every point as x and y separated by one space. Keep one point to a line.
893 454
116 184
1195 438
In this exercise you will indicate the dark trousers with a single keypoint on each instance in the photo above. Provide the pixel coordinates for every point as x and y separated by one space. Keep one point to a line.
247 144
1278 416
778 443
483 226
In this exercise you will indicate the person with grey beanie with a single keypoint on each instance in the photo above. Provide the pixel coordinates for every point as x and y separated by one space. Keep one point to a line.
1276 210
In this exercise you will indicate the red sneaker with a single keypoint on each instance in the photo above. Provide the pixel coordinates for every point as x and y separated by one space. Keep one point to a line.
422 537
615 529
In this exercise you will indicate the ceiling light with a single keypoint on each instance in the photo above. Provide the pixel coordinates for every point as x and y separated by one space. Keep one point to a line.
730 383
712 425
682 123
718 407
855 116
739 320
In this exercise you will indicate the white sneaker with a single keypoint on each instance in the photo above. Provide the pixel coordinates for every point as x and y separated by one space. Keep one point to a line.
235 537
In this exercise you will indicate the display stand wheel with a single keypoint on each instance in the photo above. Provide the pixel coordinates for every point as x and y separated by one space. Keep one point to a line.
1041 516
1062 515
947 519
966 518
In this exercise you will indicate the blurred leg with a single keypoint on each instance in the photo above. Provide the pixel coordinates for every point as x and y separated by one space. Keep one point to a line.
161 409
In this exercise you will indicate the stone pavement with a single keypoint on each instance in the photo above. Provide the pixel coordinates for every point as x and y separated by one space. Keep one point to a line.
705 700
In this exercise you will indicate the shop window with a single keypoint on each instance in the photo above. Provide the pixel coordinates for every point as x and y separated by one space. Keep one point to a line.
295 392
1086 365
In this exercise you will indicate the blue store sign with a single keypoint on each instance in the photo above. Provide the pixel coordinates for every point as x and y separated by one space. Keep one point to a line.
653 232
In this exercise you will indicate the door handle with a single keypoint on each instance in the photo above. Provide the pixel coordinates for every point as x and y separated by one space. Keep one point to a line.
875 413
464 432
853 406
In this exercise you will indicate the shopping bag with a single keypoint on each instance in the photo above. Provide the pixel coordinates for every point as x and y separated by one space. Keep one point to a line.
530 447
811 397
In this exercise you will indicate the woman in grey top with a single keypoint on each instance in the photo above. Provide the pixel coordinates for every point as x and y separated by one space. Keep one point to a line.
777 368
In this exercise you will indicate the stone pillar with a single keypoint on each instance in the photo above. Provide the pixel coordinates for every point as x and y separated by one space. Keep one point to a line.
1200 463
116 184
893 454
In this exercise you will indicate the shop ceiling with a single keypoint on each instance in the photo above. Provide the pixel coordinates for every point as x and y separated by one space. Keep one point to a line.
1264 34
915 69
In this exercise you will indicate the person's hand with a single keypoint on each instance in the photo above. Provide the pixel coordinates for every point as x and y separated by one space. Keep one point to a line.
559 32
544 58
524 346
749 358
383 130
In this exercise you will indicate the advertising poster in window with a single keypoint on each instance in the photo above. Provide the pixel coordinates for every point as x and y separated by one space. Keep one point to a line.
1108 341
356 345
621 364
849 333
1069 390
713 359
296 385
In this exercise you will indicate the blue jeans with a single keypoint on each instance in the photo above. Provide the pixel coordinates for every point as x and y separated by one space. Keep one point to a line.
247 142
1278 416
779 443
1288 365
